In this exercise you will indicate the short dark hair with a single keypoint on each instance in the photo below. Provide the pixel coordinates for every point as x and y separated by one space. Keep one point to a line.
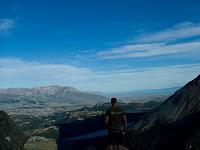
113 100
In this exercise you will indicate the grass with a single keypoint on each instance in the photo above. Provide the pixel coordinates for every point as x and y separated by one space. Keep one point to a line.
40 145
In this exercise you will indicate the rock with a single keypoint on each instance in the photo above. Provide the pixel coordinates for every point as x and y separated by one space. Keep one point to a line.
10 137
37 138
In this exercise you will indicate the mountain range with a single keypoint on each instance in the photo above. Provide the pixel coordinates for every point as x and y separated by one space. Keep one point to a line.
48 95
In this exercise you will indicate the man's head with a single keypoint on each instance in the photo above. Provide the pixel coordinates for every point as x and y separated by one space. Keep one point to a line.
113 101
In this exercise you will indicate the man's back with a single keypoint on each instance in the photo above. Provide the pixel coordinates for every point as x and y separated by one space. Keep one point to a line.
115 122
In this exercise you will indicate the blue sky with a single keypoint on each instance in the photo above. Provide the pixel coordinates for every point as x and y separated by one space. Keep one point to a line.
107 45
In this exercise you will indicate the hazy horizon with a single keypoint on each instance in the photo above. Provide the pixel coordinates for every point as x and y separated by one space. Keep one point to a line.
136 93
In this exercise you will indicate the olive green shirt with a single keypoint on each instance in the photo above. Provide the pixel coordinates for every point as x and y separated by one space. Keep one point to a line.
115 122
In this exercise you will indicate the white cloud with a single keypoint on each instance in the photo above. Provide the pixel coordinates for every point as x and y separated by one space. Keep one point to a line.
147 50
15 72
179 31
18 73
6 24
158 43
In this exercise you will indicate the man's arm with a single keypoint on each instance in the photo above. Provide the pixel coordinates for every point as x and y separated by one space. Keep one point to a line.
125 120
107 119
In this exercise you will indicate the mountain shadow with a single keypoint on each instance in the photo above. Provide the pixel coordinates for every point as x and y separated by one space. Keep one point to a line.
87 134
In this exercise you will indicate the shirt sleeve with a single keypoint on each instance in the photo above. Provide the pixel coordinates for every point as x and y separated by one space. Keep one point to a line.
107 112
123 113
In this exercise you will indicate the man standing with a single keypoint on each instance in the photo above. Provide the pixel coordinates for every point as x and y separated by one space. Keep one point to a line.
116 122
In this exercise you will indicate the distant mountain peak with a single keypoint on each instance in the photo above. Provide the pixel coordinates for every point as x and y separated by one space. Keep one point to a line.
51 89
71 89
39 96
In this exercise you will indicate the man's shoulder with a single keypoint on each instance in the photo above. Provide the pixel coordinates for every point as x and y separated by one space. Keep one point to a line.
119 108
108 111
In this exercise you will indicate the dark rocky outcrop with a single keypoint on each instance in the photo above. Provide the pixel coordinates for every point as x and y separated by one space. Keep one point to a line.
10 137
175 124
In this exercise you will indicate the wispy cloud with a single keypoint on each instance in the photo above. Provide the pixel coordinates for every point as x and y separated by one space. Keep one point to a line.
6 24
147 50
158 43
19 73
179 31
146 78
